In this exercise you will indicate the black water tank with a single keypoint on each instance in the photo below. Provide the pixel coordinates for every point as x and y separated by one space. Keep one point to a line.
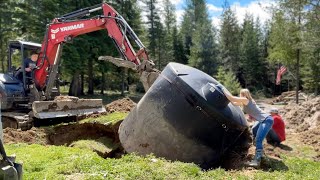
183 116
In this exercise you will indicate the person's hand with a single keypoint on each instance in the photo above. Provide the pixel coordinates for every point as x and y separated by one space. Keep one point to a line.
28 69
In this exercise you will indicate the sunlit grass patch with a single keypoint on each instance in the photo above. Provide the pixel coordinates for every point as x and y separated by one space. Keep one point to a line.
103 146
59 162
110 118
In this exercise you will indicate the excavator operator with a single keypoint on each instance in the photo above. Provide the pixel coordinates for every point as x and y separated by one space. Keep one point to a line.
29 64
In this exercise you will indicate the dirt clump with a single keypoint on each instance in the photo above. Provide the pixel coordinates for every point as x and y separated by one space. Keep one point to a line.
31 136
121 105
63 98
312 137
303 116
289 96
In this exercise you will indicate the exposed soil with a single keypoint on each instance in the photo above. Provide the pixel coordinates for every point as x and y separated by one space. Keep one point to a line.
66 134
121 105
63 98
62 134
305 120
31 136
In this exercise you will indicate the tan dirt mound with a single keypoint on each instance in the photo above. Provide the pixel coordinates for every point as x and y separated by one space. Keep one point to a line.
289 96
31 136
302 117
121 105
312 137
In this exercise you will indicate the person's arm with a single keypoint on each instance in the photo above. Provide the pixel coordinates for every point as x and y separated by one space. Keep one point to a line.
26 65
237 101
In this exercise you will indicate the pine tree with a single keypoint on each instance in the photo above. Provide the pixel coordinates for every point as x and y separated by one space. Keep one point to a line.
170 24
203 52
188 26
152 23
311 68
178 50
229 80
287 30
8 28
230 41
250 54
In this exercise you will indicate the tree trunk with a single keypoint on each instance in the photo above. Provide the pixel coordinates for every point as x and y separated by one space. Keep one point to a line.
75 89
103 84
90 76
298 58
82 83
298 76
2 56
122 80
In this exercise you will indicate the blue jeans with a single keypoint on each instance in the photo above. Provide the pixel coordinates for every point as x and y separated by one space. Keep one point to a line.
260 131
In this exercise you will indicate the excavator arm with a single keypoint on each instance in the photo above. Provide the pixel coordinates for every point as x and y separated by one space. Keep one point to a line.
63 29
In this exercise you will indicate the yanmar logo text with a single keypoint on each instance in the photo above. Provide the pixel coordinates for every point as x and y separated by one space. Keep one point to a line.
68 28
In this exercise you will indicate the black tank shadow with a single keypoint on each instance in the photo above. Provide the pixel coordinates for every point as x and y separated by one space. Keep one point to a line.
272 164
284 147
281 146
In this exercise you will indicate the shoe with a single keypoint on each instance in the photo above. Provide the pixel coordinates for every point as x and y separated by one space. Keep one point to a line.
256 161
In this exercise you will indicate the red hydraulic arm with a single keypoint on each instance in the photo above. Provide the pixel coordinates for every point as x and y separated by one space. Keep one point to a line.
65 28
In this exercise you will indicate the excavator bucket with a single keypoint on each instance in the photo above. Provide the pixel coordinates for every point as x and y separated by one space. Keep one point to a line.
147 74
9 169
66 106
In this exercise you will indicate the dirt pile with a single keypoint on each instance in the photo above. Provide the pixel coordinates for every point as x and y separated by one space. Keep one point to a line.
289 96
64 98
31 136
312 137
302 117
121 105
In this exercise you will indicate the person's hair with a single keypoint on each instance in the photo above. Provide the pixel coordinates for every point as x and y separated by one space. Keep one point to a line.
36 51
246 93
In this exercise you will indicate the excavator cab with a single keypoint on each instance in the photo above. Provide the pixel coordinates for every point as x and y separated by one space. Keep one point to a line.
14 87
18 52
23 104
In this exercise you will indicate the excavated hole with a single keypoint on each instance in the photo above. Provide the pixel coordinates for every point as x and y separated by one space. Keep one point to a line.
105 137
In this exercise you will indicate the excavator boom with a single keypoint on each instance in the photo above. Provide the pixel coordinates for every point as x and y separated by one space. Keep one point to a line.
62 30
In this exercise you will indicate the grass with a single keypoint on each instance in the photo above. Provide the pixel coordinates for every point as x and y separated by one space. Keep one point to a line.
59 162
110 118
103 145
80 162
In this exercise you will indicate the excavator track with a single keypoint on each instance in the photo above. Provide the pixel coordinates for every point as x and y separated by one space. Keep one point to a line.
16 120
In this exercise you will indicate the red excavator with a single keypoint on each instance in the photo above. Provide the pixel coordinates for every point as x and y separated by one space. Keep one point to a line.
26 98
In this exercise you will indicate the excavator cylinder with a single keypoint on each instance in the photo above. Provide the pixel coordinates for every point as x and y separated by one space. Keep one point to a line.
184 116
66 106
